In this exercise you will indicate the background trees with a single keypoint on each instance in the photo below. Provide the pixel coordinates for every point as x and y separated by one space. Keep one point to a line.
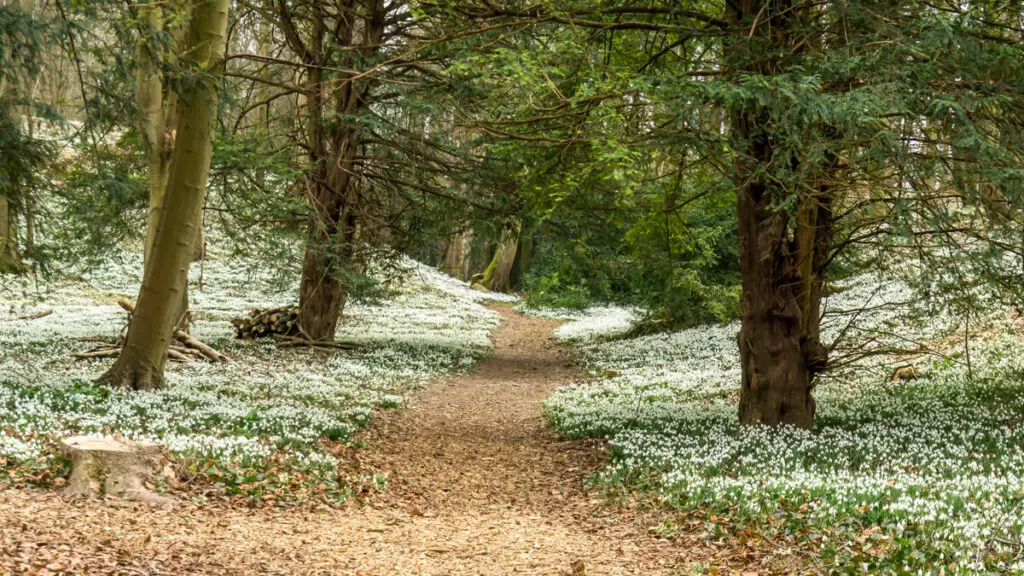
704 160
822 119
22 41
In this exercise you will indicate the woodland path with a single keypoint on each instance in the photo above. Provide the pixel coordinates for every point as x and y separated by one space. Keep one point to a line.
478 485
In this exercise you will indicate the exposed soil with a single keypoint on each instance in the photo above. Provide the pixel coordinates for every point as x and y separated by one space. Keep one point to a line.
478 484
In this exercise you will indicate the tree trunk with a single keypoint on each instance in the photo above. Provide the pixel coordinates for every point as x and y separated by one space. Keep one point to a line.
783 281
501 272
321 296
158 106
28 204
141 362
456 256
10 259
332 184
498 276
10 201
524 259
782 255
157 113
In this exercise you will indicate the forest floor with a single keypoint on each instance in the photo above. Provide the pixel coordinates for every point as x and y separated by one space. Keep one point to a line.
478 483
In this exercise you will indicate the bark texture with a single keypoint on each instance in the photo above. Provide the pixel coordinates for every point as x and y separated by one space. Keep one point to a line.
783 253
11 200
457 255
10 259
141 362
498 276
332 184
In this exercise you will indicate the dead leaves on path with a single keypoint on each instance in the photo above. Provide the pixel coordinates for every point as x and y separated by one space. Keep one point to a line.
478 485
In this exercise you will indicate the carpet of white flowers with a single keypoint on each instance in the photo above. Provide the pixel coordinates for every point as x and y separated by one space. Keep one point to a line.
922 476
597 322
255 426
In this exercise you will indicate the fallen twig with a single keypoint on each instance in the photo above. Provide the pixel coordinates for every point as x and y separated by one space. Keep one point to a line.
103 353
323 345
183 348
36 315
189 341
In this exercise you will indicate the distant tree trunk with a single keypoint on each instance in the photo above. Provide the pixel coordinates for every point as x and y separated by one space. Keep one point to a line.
28 201
10 259
498 275
30 223
456 256
782 255
332 185
10 201
140 365
524 259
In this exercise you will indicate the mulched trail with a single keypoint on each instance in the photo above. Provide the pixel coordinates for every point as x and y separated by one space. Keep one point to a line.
477 485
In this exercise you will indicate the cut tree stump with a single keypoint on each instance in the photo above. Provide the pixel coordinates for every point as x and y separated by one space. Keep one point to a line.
121 468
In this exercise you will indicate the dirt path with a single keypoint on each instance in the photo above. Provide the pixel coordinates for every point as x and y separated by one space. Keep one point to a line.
478 485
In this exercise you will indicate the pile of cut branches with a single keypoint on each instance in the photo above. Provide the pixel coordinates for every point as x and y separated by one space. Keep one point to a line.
283 321
282 324
184 347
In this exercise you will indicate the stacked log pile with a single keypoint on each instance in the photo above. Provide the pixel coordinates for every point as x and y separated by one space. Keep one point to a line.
282 324
261 323
184 347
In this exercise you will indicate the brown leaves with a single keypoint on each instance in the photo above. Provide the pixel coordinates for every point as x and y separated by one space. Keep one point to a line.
477 485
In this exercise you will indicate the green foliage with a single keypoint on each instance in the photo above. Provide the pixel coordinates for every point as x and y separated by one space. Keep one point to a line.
22 153
100 204
22 38
617 213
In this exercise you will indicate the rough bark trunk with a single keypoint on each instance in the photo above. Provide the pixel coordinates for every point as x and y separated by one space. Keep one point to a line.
498 275
782 255
10 254
332 184
456 256
783 282
10 259
321 296
141 362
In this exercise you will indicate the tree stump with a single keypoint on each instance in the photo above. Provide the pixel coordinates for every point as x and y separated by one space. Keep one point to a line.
101 466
